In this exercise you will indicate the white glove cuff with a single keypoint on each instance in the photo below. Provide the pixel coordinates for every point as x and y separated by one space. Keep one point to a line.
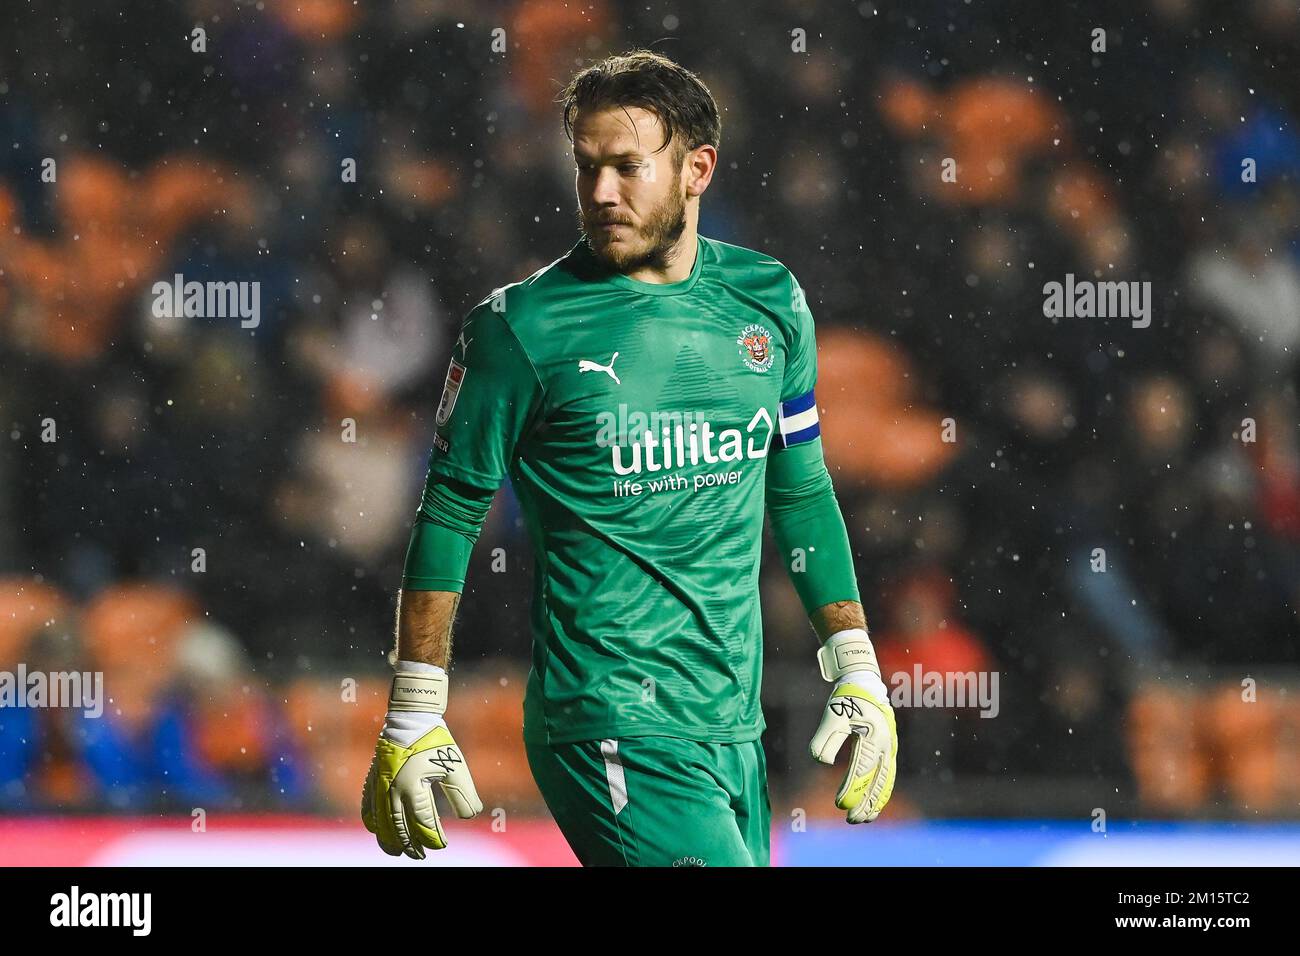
418 688
869 681
847 651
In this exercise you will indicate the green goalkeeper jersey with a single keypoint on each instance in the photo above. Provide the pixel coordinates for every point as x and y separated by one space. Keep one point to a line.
635 423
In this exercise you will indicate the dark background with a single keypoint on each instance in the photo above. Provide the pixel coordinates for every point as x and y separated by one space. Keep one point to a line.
1072 434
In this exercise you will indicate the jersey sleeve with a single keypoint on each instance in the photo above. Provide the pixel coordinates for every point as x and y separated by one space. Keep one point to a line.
443 536
490 398
806 518
801 500
797 414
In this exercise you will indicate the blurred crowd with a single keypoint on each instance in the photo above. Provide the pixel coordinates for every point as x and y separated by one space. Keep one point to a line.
1108 516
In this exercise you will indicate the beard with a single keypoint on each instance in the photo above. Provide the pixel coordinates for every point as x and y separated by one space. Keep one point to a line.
650 244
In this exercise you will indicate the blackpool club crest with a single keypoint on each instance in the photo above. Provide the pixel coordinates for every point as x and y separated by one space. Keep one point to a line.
756 347
450 389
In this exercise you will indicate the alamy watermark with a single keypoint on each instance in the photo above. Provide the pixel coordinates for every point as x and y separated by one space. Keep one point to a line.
629 425
133 911
82 690
1085 299
946 689
208 300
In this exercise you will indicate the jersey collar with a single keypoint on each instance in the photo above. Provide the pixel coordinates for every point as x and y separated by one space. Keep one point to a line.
652 288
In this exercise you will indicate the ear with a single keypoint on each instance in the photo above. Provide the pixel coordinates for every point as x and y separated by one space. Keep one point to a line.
698 171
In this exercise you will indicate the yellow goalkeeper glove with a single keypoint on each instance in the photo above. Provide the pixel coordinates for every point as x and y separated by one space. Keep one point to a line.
415 751
858 706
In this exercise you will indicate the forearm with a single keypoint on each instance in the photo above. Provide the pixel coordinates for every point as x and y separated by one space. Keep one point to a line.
810 532
446 528
424 621
837 616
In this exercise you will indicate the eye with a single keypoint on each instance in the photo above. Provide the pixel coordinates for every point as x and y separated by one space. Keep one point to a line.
630 169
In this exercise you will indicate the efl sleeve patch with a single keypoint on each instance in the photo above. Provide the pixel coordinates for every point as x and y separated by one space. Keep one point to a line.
798 420
450 391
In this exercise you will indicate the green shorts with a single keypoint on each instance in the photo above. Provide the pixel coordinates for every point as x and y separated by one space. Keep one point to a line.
657 801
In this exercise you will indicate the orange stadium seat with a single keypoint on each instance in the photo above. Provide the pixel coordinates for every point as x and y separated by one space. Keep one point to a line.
25 606
876 434
1171 767
488 723
131 632
337 734
1244 739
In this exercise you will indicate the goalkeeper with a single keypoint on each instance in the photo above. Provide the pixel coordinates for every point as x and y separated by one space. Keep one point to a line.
650 395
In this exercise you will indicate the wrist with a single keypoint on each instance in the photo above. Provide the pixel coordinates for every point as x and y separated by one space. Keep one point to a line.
418 667
848 657
418 688
406 727
847 651
416 703
869 681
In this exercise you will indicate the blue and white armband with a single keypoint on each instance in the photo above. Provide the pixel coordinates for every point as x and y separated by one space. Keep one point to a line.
797 420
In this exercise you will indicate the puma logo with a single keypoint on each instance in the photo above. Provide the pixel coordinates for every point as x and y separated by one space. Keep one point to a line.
585 365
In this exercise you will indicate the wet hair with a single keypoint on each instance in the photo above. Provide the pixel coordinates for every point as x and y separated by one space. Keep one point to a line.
653 82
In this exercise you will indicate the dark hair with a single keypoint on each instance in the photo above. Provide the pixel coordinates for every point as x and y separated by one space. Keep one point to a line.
653 82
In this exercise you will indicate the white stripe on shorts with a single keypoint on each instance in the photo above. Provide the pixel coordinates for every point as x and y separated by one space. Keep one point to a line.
614 774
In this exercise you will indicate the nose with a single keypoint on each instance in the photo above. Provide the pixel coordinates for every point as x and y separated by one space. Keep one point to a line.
604 189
